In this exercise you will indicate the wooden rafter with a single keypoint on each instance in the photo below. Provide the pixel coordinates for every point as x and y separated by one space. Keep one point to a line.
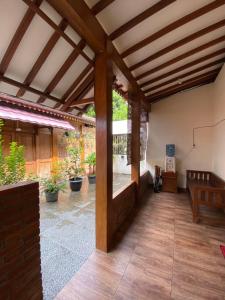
178 44
19 34
83 102
36 9
78 92
42 57
174 25
84 23
62 71
175 87
186 66
178 78
27 88
100 5
74 85
191 85
182 56
139 18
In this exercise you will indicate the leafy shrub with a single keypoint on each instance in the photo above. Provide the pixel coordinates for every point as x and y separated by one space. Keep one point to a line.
91 162
12 166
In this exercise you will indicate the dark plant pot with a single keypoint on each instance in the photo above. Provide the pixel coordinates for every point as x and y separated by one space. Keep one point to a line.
75 184
51 197
92 179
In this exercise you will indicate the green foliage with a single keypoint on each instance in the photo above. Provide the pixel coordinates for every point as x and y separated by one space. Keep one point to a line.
12 167
54 182
91 161
120 108
72 165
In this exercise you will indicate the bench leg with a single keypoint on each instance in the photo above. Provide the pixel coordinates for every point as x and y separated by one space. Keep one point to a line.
195 211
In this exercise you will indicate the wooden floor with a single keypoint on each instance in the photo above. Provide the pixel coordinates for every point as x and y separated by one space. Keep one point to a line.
162 256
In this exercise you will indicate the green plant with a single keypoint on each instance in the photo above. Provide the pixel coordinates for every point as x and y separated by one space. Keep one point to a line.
91 162
54 182
12 166
73 166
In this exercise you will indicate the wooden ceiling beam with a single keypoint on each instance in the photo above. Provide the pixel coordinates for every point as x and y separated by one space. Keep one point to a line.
77 93
62 71
27 88
182 56
19 34
100 5
178 44
84 23
42 57
56 27
139 18
186 66
177 78
83 102
74 85
172 26
202 77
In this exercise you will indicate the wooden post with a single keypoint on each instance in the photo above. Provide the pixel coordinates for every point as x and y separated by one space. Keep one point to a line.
103 106
135 140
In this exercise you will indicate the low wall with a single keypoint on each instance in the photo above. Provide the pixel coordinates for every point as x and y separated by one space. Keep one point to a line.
20 265
122 205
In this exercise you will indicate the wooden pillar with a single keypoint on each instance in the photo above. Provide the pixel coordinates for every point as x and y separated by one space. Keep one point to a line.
103 106
54 147
135 140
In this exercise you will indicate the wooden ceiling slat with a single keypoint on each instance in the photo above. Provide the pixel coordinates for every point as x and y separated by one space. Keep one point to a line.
83 102
78 91
19 34
56 27
182 56
74 85
178 44
188 81
100 5
186 66
172 26
141 17
27 88
42 57
62 71
177 78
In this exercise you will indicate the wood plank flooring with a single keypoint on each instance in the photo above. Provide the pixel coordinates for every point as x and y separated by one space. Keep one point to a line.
162 256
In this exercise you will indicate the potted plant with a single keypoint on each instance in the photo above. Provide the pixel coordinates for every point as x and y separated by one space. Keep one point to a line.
53 184
91 162
73 168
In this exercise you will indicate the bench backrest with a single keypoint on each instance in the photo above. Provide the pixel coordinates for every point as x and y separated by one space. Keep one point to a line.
217 181
199 175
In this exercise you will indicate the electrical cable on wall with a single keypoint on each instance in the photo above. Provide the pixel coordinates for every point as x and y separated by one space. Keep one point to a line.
208 126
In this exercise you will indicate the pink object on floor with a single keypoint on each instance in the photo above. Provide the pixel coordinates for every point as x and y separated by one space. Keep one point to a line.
223 250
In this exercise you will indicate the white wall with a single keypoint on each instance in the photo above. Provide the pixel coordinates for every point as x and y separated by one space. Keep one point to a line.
218 159
172 121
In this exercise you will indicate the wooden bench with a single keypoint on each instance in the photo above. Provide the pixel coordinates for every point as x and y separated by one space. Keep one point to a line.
206 189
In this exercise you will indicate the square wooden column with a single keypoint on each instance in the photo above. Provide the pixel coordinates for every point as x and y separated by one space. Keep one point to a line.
103 107
135 139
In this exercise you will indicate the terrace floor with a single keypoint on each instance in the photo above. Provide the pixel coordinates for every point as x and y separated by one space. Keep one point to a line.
68 234
162 256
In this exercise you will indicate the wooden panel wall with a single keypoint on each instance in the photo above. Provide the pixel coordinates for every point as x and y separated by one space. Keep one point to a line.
42 145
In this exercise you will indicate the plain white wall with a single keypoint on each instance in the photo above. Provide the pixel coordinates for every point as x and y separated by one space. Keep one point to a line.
172 121
218 158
